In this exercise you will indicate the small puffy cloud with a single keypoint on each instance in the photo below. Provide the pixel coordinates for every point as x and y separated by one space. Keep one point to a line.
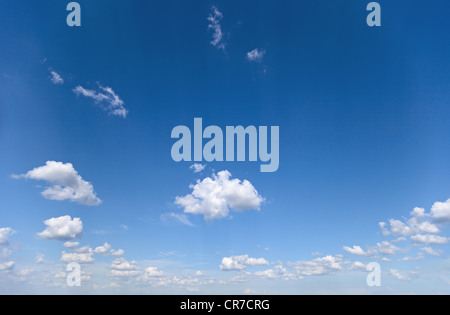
411 227
214 197
62 229
441 212
80 258
241 262
56 78
318 267
355 250
103 250
5 233
197 168
153 272
106 98
71 244
214 18
357 265
256 55
431 252
428 239
117 253
279 272
384 248
7 266
67 183
121 268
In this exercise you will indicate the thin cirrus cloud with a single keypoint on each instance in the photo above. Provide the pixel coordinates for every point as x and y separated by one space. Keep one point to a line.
67 183
106 98
214 18
63 229
214 197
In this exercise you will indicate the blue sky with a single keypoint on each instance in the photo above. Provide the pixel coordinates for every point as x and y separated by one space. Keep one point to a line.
364 139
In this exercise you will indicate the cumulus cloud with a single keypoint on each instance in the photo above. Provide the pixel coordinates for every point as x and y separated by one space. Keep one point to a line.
429 239
106 97
62 229
241 262
214 197
5 233
355 250
7 266
80 257
441 212
256 55
279 272
71 244
121 268
318 267
67 183
197 168
214 18
56 78
117 253
103 250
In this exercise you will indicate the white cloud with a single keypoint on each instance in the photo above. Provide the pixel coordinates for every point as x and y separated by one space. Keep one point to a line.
429 239
106 97
395 273
431 252
40 259
241 262
355 250
71 244
214 19
81 258
279 272
357 265
103 250
441 212
318 267
67 183
414 226
153 272
62 228
384 248
256 55
117 253
213 197
176 218
7 266
5 233
197 168
56 78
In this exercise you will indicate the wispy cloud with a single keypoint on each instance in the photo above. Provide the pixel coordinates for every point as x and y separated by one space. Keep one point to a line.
214 18
106 97
176 218
256 55
56 78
